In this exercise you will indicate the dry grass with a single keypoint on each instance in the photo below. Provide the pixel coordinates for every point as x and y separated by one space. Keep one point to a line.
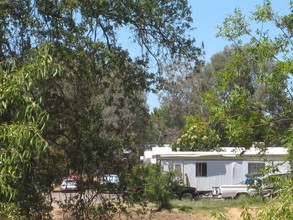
182 210
174 214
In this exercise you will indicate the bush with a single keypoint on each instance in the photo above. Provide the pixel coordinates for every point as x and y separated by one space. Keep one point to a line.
157 187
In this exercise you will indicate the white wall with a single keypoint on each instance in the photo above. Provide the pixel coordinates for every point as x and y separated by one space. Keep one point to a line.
219 172
150 155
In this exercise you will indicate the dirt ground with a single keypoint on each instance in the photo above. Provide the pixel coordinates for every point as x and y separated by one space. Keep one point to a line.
231 213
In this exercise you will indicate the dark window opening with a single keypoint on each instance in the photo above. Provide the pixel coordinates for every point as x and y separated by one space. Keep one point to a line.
255 168
201 169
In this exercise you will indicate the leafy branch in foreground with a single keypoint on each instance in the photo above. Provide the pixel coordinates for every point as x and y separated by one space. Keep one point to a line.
23 147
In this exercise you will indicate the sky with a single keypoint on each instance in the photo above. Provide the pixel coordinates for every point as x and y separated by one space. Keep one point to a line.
209 14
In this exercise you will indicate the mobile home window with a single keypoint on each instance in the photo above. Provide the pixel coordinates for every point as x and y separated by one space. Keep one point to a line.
255 168
201 169
178 170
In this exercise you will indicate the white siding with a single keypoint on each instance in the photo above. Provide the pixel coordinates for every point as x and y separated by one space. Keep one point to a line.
282 167
189 169
219 172
223 168
238 172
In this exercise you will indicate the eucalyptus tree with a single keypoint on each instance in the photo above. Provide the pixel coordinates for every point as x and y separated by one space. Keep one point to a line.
183 96
255 86
183 113
259 110
25 164
96 107
249 98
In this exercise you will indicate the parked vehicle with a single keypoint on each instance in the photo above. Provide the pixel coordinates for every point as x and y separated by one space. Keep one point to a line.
273 183
110 183
179 191
250 187
110 179
185 192
137 188
235 191
70 185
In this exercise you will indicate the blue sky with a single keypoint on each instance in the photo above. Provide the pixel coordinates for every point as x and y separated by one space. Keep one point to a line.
209 14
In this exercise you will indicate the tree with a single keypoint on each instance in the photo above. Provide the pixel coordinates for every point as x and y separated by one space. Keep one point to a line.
180 96
198 135
164 126
158 184
248 94
24 159
183 99
261 112
158 26
96 107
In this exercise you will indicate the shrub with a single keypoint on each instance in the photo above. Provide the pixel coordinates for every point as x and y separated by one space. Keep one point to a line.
157 187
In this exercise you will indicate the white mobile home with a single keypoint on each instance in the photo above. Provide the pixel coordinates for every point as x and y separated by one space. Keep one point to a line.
150 155
206 170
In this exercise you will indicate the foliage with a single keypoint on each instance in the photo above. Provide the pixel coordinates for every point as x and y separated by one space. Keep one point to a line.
158 185
9 211
279 207
288 143
84 119
255 102
159 27
76 206
21 136
246 212
198 135
246 90
219 215
180 96
215 208
102 85
163 126
184 94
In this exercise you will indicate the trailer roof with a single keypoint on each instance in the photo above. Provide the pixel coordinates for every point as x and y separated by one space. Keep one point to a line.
224 152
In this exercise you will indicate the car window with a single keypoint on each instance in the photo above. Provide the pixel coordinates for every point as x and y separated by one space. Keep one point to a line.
114 178
111 178
70 182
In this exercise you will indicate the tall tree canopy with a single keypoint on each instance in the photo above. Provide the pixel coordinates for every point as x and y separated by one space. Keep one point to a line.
158 26
250 100
96 104
254 95
245 92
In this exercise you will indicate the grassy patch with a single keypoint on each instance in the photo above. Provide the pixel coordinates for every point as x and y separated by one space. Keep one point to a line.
208 208
213 204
